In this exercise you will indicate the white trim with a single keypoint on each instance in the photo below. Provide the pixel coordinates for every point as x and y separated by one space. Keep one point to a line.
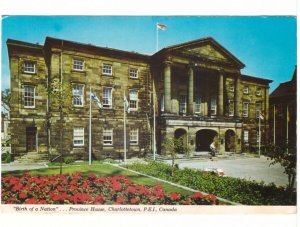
111 98
136 73
81 134
246 90
107 73
78 60
244 105
134 142
28 107
29 62
81 96
111 131
136 100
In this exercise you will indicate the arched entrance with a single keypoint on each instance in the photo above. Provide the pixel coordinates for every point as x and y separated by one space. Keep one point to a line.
204 138
229 140
181 135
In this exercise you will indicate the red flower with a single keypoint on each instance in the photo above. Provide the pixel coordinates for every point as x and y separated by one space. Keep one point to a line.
23 195
92 176
134 200
130 189
175 196
120 200
116 186
197 195
98 200
31 201
187 202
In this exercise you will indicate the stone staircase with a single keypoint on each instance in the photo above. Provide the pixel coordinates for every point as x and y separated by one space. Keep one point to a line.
32 158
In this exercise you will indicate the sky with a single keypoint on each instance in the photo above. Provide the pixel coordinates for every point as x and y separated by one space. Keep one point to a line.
266 45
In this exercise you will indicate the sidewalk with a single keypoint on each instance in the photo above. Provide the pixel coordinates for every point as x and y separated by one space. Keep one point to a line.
7 167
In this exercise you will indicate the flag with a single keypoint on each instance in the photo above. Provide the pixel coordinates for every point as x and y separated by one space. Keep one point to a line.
126 104
96 100
161 26
261 116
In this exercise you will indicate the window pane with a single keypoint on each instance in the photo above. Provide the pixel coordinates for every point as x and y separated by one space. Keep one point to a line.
29 67
78 65
197 105
182 103
78 136
134 136
29 96
133 73
78 95
107 97
107 136
107 69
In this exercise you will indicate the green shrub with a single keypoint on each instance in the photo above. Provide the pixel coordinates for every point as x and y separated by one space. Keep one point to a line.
6 157
233 189
69 159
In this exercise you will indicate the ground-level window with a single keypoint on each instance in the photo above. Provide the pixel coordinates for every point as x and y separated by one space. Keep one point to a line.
231 107
107 136
182 104
78 91
246 136
29 96
134 136
133 100
213 106
107 97
198 105
78 136
245 109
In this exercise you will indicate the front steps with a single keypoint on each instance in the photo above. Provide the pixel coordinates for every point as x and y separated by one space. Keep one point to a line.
32 158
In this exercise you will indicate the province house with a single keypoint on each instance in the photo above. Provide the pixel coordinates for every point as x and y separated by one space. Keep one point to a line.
196 89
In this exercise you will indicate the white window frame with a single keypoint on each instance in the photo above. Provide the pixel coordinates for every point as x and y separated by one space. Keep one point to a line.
78 65
107 137
246 90
107 101
78 135
258 91
133 73
28 96
258 109
107 69
133 100
230 108
134 136
213 107
27 66
245 109
231 87
246 136
198 101
162 103
182 104
79 96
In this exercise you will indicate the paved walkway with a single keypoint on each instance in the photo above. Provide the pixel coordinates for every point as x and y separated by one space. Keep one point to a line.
13 167
250 168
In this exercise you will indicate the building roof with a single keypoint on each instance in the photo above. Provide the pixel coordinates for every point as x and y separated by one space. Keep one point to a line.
203 41
257 79
287 88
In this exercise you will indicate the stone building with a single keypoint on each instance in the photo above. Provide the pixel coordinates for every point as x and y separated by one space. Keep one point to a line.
199 94
283 113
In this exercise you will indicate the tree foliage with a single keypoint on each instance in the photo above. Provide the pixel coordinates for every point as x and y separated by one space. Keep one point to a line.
5 99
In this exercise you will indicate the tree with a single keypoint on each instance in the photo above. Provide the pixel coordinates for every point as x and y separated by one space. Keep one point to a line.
61 96
5 99
172 146
287 158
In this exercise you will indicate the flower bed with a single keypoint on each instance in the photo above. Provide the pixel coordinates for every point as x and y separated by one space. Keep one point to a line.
80 189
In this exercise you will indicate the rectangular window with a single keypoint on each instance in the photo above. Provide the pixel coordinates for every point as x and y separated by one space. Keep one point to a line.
245 109
78 136
29 67
213 106
198 105
133 73
246 136
182 104
257 109
134 136
29 96
246 90
162 103
78 65
231 88
107 97
107 69
231 107
133 100
258 91
78 91
107 137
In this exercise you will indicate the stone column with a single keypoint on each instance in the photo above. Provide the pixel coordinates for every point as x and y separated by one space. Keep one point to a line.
190 91
167 87
220 96
237 97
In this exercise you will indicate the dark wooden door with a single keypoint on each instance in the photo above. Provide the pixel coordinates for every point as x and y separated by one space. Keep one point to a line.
31 139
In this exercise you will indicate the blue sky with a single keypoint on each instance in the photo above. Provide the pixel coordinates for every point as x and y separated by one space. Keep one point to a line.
266 45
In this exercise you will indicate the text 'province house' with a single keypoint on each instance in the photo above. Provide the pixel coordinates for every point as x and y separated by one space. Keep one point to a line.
196 89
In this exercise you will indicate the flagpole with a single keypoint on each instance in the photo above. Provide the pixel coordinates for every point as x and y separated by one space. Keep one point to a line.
124 129
274 126
90 130
154 125
287 129
156 37
259 134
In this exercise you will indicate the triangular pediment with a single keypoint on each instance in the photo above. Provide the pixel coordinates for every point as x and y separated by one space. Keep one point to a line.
206 49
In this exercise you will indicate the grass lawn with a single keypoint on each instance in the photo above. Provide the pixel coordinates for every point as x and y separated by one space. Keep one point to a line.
101 170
